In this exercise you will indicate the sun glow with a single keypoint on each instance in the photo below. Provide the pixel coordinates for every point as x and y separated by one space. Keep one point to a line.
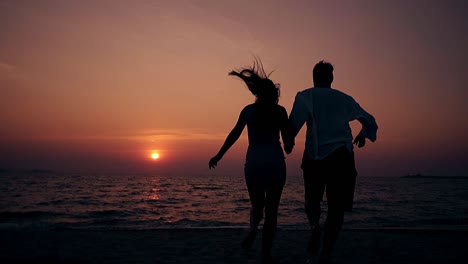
155 155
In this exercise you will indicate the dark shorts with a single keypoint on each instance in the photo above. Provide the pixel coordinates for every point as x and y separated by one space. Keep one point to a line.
336 173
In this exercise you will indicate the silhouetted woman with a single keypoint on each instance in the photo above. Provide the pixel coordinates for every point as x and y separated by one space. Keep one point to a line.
265 168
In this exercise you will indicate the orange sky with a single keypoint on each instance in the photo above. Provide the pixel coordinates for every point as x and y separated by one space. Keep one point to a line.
96 85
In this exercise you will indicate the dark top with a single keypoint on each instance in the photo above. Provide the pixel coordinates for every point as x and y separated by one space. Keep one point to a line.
265 123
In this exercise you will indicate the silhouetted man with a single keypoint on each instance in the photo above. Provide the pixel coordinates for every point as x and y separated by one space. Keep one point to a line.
328 161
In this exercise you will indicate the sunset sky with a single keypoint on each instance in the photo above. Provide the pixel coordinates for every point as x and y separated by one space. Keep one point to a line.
97 86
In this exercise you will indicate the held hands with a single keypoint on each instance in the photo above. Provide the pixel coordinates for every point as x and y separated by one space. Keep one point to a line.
214 162
360 141
288 148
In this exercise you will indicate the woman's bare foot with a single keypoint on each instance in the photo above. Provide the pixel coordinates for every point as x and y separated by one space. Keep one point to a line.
249 239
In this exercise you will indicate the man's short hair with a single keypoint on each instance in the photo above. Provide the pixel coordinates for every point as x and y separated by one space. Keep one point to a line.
323 72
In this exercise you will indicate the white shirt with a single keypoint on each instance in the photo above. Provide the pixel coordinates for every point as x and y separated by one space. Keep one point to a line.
327 113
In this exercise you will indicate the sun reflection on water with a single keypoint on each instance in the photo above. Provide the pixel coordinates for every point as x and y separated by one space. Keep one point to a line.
154 193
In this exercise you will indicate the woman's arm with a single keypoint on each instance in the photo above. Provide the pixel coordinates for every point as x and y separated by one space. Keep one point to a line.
230 140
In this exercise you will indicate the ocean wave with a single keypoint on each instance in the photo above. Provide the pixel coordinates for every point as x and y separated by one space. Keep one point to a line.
107 213
241 201
211 188
186 222
24 215
440 221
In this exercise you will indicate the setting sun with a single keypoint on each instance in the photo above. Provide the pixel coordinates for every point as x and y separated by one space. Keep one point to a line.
155 155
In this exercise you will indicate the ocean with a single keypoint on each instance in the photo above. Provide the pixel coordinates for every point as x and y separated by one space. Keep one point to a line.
47 201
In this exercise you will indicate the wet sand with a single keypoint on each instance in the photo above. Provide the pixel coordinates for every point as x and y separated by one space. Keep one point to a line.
223 246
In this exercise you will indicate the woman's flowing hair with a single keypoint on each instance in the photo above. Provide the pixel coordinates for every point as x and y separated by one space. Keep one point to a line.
258 83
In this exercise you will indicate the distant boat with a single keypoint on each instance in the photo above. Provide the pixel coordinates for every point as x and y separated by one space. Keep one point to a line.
417 175
420 176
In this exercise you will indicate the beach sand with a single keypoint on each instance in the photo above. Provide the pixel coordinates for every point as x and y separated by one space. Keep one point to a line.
223 246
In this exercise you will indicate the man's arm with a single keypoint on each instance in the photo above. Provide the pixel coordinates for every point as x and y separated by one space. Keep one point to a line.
369 126
298 115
